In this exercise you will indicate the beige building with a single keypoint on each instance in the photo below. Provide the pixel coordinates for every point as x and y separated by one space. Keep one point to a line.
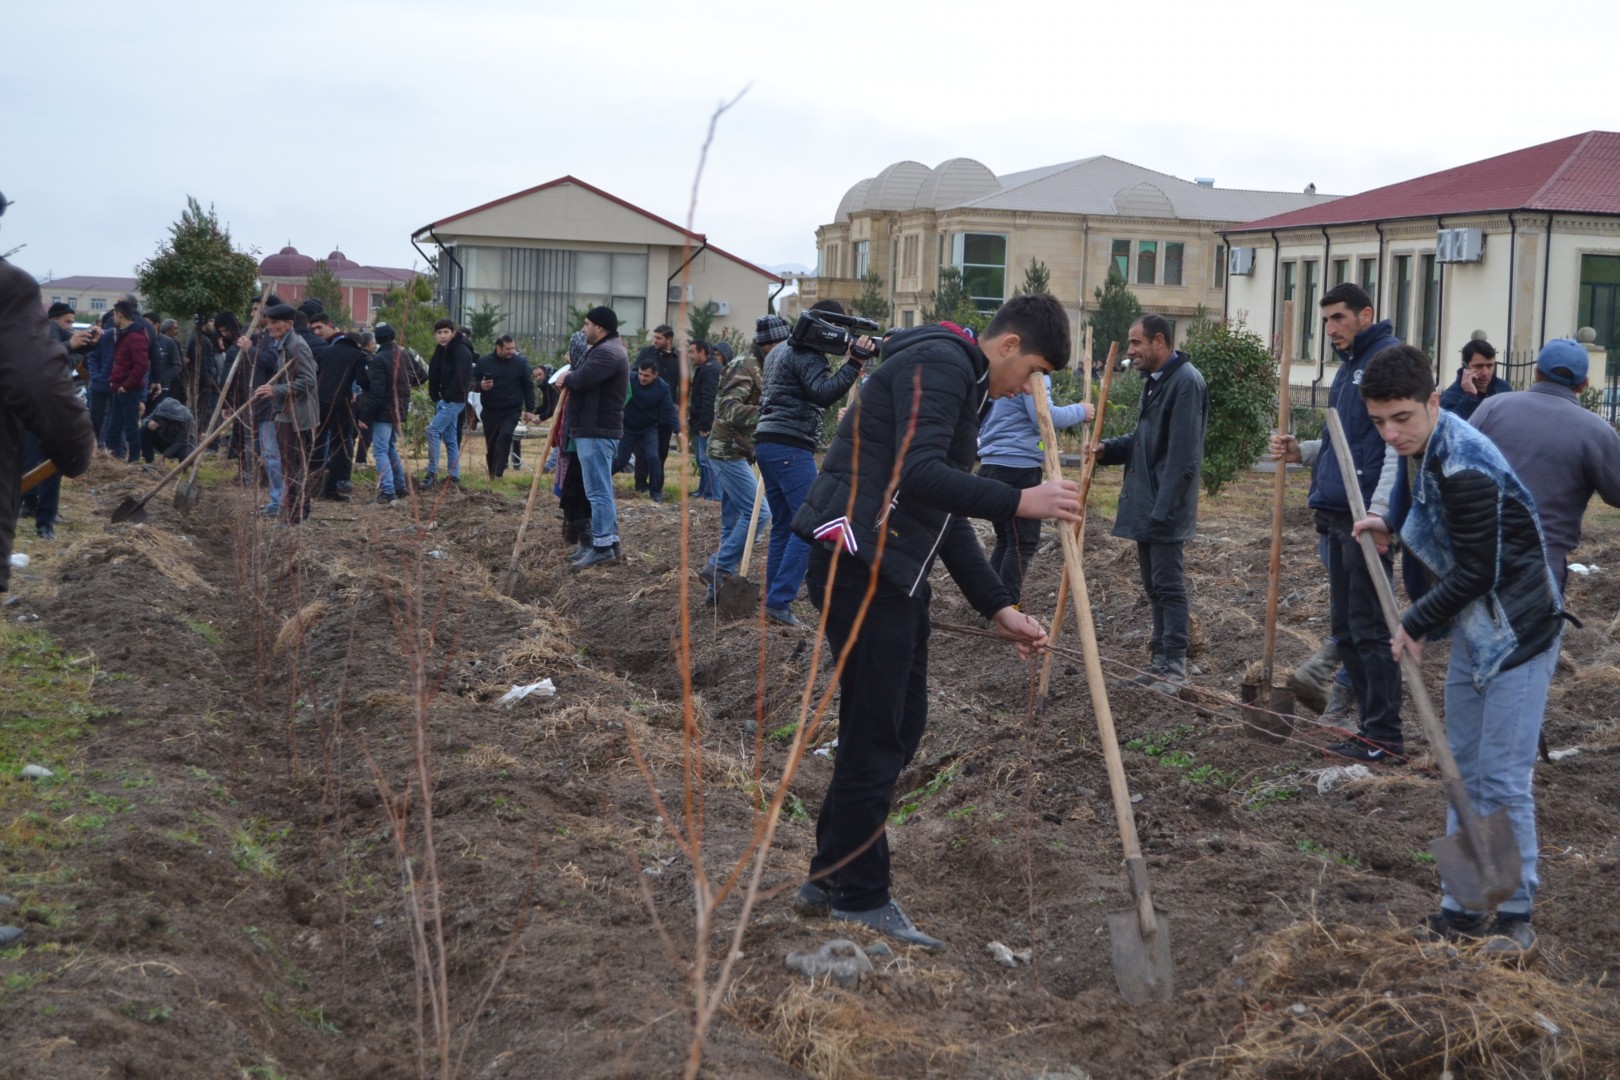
1079 218
1524 247
566 244
90 297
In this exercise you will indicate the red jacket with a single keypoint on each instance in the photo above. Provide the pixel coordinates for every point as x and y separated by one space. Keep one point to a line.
129 359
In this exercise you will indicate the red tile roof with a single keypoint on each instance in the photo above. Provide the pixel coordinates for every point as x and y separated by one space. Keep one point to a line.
1577 175
698 237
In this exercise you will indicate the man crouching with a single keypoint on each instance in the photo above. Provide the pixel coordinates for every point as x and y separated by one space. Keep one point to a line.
933 387
1480 574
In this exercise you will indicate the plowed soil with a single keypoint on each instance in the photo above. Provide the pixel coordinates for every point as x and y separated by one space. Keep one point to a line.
272 699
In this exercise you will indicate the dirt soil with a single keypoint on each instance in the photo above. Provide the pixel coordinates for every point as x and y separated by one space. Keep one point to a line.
243 911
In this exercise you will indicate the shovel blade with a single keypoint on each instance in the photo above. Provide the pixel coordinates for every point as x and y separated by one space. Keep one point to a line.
131 509
509 583
1480 880
1141 961
1269 720
185 496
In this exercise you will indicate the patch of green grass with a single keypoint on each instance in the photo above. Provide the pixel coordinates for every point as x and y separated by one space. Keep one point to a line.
157 1014
1424 857
315 1017
962 812
207 631
912 801
1157 743
270 1070
784 732
255 844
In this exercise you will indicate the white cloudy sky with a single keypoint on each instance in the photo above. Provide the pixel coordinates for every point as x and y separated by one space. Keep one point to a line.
356 122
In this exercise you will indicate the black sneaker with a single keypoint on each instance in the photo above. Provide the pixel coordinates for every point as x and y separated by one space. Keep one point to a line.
892 922
1511 938
812 899
1448 925
1366 752
427 480
46 532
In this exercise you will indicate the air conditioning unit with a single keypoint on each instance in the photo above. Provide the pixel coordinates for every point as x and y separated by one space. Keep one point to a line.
1240 262
722 308
680 294
1459 245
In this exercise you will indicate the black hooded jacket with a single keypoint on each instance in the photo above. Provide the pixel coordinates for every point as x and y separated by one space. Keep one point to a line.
339 366
450 371
941 380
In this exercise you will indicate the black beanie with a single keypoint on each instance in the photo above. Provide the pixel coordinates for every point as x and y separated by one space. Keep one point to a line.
604 317
384 333
311 307
58 309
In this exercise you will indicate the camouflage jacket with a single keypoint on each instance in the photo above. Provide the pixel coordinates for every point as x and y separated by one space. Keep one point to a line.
736 410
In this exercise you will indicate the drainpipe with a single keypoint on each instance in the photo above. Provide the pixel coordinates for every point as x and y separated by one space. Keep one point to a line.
1439 300
1276 268
702 246
450 253
1378 226
1513 254
1327 260
1546 269
1226 281
770 303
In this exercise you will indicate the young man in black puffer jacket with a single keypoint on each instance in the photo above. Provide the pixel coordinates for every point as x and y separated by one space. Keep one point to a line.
934 386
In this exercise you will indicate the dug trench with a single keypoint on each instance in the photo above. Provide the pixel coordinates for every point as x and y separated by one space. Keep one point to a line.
265 695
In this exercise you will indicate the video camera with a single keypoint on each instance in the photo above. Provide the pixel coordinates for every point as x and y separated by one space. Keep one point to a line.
834 334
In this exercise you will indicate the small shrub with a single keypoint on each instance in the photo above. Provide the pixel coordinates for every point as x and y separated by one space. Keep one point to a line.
1242 376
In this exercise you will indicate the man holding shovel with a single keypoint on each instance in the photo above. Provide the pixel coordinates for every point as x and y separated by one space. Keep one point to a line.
731 453
918 419
1480 575
292 407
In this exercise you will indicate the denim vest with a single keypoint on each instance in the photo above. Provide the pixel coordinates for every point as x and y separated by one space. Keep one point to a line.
1458 446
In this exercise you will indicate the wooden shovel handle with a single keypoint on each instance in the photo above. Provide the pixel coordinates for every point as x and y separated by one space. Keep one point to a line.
1285 363
1117 783
36 476
539 468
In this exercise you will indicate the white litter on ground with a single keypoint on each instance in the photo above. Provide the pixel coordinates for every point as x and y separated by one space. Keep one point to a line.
544 688
1560 755
19 559
1328 779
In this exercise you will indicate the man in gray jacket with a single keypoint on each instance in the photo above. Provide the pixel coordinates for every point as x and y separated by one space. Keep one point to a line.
1158 505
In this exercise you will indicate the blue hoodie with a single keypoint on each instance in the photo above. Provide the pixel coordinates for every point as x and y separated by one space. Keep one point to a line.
98 361
1328 491
1010 436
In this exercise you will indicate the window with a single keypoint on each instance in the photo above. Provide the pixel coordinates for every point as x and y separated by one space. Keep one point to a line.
1289 275
908 255
97 304
1307 312
1369 279
1173 254
1147 262
538 289
73 302
1402 295
863 257
1122 258
1600 297
1431 303
982 258
1341 271
908 318
377 301
1220 265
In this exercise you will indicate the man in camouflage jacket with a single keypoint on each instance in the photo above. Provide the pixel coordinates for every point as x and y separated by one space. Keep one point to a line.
731 452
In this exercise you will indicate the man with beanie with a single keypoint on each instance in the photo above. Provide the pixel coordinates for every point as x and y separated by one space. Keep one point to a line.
920 408
662 352
382 412
731 454
449 377
308 310
595 416
338 367
799 386
506 392
1356 620
1563 452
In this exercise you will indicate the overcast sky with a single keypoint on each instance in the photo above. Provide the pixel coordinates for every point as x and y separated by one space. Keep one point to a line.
355 123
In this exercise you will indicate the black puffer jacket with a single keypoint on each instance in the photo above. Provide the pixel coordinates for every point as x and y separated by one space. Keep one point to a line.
168 362
700 398
799 386
938 491
387 399
340 365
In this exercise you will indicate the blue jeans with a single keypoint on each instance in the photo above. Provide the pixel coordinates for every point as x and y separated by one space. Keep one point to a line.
1494 734
385 449
735 479
122 433
707 488
596 470
788 472
445 427
270 455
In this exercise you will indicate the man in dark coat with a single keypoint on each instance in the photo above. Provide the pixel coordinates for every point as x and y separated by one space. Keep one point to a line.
1476 380
649 407
506 393
662 352
339 366
382 411
449 379
1158 504
45 500
700 412
128 381
595 417
932 387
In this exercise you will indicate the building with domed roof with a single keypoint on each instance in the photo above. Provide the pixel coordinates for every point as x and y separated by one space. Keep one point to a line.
1078 217
364 287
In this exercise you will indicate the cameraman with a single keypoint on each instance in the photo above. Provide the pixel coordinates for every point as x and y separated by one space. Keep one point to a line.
799 385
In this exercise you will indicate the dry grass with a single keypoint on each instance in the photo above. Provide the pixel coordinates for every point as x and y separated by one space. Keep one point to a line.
491 758
832 1034
1348 1003
547 643
168 554
294 629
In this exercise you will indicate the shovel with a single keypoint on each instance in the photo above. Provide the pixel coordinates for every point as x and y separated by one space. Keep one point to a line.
185 496
36 476
509 576
1092 429
753 526
1140 935
1480 864
1267 707
133 509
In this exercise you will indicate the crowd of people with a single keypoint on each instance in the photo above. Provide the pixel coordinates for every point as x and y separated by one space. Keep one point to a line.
1483 487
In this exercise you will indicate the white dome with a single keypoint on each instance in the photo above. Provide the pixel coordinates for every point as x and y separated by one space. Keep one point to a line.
896 187
854 199
955 181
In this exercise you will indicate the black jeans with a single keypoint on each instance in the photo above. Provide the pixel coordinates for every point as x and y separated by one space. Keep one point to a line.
43 501
882 712
295 449
643 480
643 444
333 442
499 427
1361 633
1166 588
1016 537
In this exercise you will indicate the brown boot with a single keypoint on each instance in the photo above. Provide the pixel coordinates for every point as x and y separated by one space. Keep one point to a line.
1311 681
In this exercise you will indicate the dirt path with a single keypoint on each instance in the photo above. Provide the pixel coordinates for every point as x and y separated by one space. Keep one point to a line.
238 909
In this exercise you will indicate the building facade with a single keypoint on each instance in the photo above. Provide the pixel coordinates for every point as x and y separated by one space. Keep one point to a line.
1079 218
547 254
89 296
363 287
1524 247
